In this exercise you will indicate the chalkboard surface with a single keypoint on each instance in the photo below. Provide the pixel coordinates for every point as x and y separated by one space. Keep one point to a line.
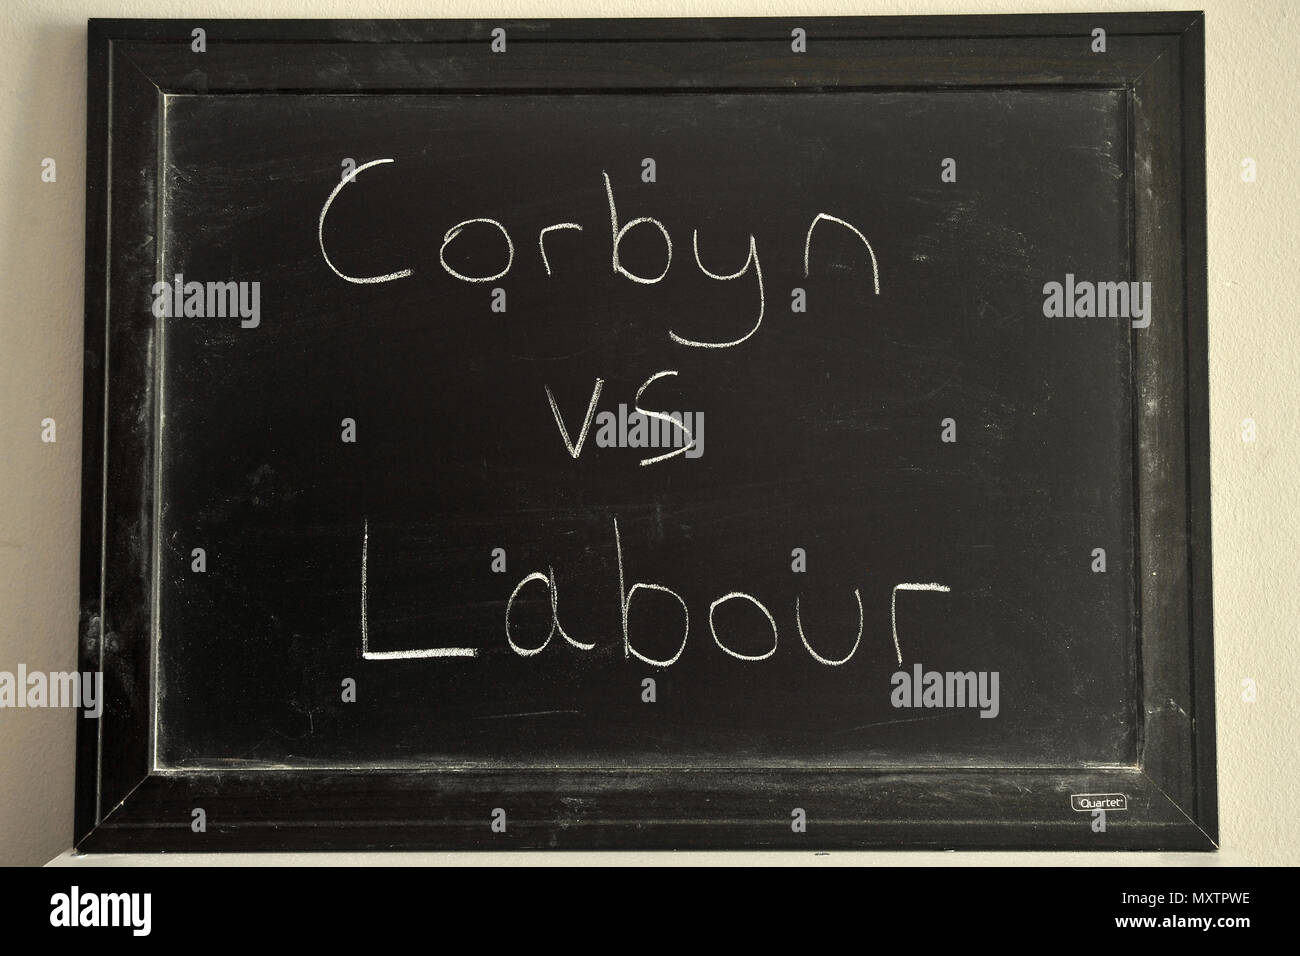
766 423
822 430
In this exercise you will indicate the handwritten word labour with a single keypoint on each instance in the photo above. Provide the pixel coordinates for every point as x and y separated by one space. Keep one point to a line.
547 581
550 249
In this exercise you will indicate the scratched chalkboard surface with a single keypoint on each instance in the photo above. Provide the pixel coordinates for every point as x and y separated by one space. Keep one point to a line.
821 430
665 433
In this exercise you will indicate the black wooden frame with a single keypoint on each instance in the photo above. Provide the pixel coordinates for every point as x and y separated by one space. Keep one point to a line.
124 802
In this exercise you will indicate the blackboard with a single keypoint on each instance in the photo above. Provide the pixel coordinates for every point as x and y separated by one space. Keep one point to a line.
647 433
